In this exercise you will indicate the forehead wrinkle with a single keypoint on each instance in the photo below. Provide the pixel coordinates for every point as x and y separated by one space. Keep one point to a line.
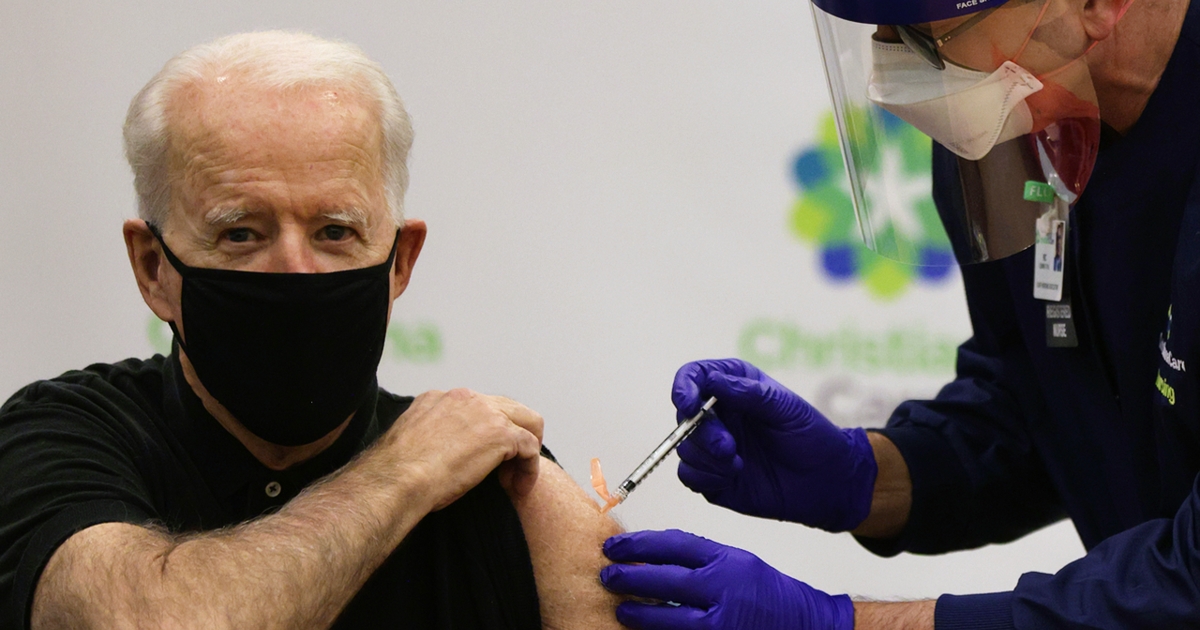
225 138
209 116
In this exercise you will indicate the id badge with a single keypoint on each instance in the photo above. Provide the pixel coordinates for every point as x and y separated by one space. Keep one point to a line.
1050 242
1049 255
1049 265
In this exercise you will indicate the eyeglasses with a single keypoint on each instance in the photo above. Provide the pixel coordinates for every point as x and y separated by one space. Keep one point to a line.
927 46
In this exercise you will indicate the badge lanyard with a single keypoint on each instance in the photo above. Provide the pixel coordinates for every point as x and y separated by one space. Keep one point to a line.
1050 262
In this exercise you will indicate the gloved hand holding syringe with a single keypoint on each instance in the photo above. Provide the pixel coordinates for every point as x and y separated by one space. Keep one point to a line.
682 430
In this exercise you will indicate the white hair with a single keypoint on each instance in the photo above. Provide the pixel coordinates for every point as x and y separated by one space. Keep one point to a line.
271 60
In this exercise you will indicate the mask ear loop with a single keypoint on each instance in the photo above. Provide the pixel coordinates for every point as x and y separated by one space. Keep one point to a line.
1029 37
1120 16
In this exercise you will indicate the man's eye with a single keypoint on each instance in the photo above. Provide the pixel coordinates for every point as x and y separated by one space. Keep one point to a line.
335 232
239 235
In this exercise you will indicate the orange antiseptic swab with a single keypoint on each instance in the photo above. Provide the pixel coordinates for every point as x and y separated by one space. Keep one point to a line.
601 487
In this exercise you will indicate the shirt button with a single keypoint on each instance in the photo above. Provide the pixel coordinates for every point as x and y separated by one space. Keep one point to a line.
273 489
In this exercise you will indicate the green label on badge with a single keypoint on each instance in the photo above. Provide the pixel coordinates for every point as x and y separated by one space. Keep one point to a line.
1038 192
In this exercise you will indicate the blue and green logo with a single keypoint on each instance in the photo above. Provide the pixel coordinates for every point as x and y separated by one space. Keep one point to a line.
823 213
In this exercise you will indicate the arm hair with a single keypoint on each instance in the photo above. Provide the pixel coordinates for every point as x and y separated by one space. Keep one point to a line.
565 531
297 568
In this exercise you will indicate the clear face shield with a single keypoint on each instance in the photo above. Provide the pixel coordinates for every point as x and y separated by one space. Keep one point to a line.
1003 85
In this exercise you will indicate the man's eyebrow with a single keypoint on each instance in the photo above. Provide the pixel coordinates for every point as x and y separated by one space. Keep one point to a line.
225 216
352 216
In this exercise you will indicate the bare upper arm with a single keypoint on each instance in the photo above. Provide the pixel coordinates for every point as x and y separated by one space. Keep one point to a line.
565 531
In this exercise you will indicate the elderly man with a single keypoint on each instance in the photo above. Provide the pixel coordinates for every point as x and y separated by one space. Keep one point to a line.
258 477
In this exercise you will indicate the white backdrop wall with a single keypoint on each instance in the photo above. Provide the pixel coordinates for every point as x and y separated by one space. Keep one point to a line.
610 189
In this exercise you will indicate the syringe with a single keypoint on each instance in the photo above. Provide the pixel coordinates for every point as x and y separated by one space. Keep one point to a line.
656 457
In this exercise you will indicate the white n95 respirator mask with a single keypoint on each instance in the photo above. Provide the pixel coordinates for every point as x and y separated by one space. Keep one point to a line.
967 111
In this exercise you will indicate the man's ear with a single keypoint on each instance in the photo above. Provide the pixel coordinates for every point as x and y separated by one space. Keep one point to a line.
412 238
148 262
1100 17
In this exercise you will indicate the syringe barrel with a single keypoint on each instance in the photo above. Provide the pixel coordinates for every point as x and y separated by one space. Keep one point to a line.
682 430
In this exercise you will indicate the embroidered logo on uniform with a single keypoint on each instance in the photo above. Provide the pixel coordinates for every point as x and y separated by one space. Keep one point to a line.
1178 365
1166 390
1175 364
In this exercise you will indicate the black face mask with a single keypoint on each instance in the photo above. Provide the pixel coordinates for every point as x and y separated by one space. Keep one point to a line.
290 355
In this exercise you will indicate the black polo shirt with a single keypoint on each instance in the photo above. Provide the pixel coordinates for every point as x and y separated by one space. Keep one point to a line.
132 443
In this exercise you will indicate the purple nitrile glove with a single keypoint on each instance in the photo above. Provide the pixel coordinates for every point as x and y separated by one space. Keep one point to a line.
712 586
767 452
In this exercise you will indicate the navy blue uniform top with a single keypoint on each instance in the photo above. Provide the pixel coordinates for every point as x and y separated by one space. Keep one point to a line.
1107 433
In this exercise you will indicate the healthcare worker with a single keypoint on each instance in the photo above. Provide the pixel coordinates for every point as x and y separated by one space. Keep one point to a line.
1076 395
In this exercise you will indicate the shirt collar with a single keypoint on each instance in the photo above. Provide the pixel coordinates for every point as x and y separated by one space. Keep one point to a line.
226 465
